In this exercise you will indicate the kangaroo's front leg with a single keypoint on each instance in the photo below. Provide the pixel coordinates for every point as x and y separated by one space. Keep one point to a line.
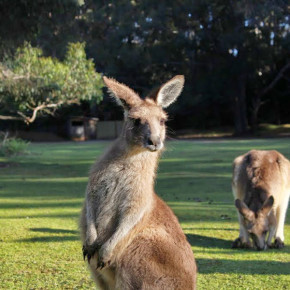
243 241
91 245
271 235
90 249
128 219
281 215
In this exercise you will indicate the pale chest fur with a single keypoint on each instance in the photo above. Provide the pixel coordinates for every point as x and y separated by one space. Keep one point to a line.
120 186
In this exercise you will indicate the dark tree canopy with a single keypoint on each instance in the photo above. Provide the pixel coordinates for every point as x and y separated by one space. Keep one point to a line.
234 54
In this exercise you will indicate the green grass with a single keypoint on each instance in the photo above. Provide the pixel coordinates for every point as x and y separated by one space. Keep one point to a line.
41 195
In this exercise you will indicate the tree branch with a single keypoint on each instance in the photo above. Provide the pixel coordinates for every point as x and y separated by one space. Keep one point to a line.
2 117
275 80
42 107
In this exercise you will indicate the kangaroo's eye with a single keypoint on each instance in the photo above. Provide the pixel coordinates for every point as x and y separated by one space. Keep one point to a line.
162 122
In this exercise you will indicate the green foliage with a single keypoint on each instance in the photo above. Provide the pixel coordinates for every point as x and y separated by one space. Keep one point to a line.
41 197
31 82
11 146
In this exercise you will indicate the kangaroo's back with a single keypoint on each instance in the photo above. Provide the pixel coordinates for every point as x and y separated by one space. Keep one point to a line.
260 174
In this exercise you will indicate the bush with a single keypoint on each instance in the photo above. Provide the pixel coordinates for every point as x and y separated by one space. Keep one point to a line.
32 84
12 146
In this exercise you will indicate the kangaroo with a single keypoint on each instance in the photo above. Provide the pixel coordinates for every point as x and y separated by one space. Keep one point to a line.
131 238
261 186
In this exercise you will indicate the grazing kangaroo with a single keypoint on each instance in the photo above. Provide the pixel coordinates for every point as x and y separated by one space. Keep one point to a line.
261 186
131 238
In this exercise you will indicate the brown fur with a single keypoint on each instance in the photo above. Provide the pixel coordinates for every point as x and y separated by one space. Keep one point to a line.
132 238
261 186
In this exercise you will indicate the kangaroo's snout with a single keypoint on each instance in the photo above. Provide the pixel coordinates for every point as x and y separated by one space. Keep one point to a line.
154 143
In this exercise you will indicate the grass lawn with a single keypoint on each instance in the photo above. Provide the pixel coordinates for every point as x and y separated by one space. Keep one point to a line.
41 195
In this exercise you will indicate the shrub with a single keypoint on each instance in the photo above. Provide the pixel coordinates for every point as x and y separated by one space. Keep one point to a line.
32 84
11 146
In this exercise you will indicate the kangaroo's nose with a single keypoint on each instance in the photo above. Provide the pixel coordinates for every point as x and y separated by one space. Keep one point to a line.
261 247
154 143
153 140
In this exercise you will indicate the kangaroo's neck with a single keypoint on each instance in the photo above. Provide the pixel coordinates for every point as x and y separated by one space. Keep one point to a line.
138 164
144 163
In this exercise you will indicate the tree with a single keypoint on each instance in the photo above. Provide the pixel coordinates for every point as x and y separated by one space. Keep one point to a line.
31 84
46 24
229 51
221 46
258 98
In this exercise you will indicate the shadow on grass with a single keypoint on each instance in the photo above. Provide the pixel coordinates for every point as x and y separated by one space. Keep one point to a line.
48 239
247 267
213 229
33 216
71 236
208 242
54 204
55 231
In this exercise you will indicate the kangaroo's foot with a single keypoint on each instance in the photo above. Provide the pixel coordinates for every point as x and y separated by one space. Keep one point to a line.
239 244
90 250
278 244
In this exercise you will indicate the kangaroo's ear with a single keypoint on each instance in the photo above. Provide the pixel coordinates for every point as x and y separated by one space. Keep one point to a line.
267 206
244 210
169 91
123 95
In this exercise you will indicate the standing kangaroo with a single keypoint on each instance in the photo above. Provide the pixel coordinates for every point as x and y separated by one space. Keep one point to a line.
261 186
131 238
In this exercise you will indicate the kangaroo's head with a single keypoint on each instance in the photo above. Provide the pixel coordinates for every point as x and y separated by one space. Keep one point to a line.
257 223
145 118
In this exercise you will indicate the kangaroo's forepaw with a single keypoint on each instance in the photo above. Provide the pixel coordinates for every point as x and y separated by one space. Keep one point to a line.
278 244
239 244
104 260
89 251
102 264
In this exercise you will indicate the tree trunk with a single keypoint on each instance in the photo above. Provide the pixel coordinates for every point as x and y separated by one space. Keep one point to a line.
254 114
277 109
240 108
